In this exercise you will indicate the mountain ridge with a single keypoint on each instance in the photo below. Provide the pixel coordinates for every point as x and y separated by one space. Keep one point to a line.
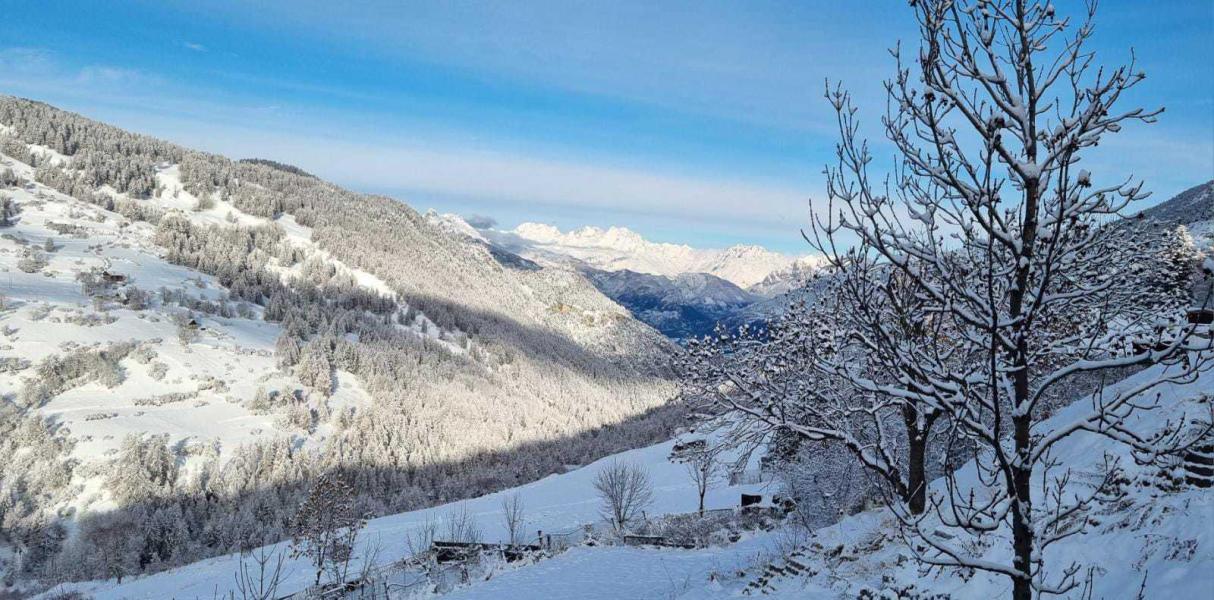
619 248
255 328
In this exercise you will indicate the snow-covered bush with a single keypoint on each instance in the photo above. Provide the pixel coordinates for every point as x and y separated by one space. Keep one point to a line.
8 210
32 260
8 178
57 374
204 202
158 370
144 354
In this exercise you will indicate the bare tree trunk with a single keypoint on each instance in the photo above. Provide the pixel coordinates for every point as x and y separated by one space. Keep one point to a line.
916 477
1022 536
916 460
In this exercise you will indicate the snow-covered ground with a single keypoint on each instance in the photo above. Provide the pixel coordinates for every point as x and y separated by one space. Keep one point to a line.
195 391
1163 538
47 313
556 504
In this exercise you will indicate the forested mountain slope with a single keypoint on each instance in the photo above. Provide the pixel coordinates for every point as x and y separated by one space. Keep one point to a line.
1193 206
683 306
188 341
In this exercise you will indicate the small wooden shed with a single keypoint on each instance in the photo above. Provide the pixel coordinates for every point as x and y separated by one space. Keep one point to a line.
1201 316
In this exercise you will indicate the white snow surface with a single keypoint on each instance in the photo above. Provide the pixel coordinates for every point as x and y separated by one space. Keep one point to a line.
557 503
1162 538
47 313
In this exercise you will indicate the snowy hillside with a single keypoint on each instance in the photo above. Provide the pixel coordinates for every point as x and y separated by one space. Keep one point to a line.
1193 208
186 342
1194 205
558 504
192 383
1157 539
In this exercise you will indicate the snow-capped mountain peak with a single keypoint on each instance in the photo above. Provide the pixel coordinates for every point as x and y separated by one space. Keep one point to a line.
619 248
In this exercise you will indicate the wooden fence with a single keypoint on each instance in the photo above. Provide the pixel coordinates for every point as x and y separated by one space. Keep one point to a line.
446 563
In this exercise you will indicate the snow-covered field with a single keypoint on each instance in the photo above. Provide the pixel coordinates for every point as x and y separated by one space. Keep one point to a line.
556 504
47 313
1164 539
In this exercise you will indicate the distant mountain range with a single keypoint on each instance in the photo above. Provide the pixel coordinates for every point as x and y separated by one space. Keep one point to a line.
683 306
679 290
685 292
619 248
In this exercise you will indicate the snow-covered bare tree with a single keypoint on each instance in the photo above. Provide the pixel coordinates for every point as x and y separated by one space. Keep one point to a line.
259 575
513 515
791 381
625 489
703 464
462 527
1005 239
326 525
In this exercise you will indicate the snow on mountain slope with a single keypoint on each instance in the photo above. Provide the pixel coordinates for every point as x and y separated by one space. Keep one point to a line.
619 248
1194 205
554 504
680 291
219 310
1155 539
193 389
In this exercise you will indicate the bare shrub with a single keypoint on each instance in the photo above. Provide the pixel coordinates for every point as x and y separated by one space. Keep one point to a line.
326 526
512 512
626 491
462 526
259 575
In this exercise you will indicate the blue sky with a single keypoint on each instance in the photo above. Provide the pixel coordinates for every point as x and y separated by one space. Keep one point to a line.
697 122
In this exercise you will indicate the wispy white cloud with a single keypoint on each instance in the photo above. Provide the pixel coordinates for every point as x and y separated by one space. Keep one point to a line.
195 46
24 60
40 68
515 180
111 76
523 179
